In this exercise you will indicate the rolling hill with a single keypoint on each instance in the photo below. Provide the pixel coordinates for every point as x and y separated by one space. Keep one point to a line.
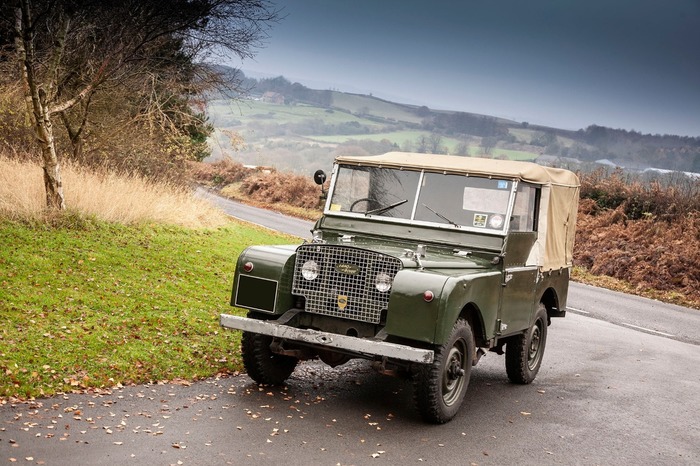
290 127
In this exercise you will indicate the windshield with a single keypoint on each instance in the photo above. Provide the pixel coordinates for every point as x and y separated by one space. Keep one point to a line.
458 200
375 191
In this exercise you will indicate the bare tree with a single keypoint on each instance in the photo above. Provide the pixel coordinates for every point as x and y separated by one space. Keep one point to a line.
435 144
422 144
71 53
462 148
488 143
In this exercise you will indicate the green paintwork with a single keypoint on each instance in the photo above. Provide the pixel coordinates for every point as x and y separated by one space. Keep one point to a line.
486 277
270 263
458 283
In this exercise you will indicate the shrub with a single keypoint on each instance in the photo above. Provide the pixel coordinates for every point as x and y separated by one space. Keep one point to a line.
667 197
275 187
220 173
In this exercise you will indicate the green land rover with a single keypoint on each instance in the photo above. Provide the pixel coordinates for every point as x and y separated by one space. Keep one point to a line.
420 263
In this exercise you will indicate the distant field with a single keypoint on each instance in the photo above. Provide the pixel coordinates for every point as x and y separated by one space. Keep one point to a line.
366 104
398 137
523 135
515 154
225 114
299 137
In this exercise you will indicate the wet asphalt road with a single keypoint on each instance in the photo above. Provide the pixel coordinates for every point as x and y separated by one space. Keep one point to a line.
608 393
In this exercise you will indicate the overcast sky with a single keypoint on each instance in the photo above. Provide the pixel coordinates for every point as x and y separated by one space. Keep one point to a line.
631 64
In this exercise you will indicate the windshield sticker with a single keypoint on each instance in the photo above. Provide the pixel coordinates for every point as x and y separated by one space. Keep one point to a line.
502 184
490 200
480 220
335 207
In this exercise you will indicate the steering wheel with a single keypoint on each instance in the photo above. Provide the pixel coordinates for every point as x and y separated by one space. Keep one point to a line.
363 199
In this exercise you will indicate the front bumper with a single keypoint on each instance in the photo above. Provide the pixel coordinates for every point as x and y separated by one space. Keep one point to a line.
360 346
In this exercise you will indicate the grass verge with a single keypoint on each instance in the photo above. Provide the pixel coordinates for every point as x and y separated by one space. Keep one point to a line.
108 196
104 304
581 275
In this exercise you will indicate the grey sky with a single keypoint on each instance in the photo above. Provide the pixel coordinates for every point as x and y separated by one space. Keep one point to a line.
631 64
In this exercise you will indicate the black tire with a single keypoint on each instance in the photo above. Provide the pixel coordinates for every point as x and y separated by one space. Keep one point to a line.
440 387
524 352
261 364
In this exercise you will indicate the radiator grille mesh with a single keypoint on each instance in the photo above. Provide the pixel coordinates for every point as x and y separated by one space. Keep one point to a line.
345 286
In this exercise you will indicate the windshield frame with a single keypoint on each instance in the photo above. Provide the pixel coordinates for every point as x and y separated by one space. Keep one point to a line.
438 223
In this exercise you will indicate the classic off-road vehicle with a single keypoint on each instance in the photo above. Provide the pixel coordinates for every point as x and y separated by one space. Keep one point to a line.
420 263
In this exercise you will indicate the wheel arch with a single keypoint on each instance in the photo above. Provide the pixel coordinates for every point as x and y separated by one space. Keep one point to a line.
472 314
550 299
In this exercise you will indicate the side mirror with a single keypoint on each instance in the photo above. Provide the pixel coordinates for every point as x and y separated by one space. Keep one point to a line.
320 177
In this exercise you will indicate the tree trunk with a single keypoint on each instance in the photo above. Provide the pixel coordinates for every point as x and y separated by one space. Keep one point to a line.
38 107
52 167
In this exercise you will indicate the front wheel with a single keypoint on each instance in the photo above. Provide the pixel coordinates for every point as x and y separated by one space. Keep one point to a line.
440 387
261 364
524 352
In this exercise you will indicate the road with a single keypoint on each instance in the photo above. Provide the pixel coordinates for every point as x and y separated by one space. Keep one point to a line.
607 394
262 217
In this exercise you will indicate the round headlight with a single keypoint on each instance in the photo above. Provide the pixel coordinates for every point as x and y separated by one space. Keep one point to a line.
383 282
310 270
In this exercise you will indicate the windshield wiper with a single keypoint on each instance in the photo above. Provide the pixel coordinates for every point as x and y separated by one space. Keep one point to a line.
441 216
381 210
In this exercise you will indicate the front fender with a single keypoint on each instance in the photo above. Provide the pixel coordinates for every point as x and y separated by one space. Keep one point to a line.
268 287
480 291
409 315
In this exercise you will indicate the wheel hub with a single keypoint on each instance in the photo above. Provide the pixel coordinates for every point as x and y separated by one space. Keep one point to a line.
455 370
453 375
534 350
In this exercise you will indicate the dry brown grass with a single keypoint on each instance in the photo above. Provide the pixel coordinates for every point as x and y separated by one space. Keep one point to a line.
107 196
649 254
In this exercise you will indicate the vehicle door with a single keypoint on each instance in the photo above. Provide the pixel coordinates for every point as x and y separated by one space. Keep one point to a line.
519 281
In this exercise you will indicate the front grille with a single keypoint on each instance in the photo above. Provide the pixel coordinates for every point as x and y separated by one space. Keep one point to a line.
345 286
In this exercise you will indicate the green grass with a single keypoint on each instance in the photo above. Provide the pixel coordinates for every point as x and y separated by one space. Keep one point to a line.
104 304
398 137
514 154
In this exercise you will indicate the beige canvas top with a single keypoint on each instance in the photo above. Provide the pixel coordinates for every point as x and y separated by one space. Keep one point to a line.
526 171
560 192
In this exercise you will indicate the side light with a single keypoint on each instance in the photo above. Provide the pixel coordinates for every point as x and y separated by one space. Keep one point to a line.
383 282
310 270
248 267
428 296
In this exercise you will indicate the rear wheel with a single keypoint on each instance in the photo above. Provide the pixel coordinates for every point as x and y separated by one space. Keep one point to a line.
261 364
440 387
524 352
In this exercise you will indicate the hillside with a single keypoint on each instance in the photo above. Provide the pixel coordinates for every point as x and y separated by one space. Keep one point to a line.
291 127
